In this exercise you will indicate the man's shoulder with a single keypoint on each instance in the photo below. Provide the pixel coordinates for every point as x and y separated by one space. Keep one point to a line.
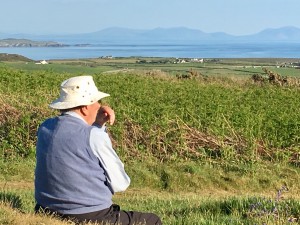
49 121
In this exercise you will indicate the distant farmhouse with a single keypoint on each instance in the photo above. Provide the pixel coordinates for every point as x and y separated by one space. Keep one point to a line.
43 62
178 60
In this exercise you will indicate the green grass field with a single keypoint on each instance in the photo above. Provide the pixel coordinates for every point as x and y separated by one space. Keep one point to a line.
202 142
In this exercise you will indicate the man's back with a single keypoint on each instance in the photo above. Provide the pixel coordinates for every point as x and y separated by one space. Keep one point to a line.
68 178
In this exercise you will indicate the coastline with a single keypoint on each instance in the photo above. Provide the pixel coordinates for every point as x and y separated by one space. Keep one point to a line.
247 50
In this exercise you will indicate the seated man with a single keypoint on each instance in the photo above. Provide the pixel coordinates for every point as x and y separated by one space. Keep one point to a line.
77 170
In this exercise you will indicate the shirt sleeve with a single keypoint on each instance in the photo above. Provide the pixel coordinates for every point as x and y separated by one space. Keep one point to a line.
102 147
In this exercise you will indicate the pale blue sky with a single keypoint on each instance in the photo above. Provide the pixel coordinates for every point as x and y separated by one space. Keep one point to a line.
236 17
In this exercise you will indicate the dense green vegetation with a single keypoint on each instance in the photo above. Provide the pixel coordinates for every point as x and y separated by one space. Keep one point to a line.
211 148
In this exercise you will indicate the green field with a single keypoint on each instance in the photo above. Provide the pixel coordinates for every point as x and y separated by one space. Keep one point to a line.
202 142
209 67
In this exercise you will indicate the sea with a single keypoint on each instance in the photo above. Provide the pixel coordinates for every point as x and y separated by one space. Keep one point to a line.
204 50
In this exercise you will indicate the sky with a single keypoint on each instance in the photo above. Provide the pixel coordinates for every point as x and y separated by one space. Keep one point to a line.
235 17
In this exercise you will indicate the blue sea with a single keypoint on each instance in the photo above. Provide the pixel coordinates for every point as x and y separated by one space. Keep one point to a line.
205 50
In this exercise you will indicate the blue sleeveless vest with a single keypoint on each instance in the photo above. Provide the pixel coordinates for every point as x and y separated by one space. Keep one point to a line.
68 176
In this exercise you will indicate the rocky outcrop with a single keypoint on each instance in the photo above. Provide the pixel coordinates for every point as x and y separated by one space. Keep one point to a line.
11 42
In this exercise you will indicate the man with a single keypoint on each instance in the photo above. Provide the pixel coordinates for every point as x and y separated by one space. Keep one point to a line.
77 170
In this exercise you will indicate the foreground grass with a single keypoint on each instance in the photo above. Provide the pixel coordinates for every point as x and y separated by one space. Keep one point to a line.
186 193
180 208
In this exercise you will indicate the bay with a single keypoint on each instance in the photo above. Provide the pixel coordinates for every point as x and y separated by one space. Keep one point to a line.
205 50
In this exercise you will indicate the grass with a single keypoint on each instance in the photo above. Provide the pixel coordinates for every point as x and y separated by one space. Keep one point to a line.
215 149
182 208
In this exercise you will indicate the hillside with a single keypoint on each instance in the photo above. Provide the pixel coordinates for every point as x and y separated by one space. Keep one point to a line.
212 147
13 58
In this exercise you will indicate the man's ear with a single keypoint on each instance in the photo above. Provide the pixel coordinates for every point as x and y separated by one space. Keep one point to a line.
84 110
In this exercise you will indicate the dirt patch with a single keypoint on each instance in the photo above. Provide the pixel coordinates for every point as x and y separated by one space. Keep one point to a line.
13 185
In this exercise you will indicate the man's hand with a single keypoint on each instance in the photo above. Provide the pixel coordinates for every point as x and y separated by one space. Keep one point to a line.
105 114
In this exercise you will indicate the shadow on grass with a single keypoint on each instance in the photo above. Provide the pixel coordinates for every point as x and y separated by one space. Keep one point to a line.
12 199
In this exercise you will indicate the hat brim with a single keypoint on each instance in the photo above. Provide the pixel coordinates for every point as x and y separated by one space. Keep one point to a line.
62 104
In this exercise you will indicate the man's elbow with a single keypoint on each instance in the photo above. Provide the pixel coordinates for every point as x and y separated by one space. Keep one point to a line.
122 187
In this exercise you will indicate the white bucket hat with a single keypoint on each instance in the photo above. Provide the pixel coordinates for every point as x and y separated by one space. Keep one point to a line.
77 91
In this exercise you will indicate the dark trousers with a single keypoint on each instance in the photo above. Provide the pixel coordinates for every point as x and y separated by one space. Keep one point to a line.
112 215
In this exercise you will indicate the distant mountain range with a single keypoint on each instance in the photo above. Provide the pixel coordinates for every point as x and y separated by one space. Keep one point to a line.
182 35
